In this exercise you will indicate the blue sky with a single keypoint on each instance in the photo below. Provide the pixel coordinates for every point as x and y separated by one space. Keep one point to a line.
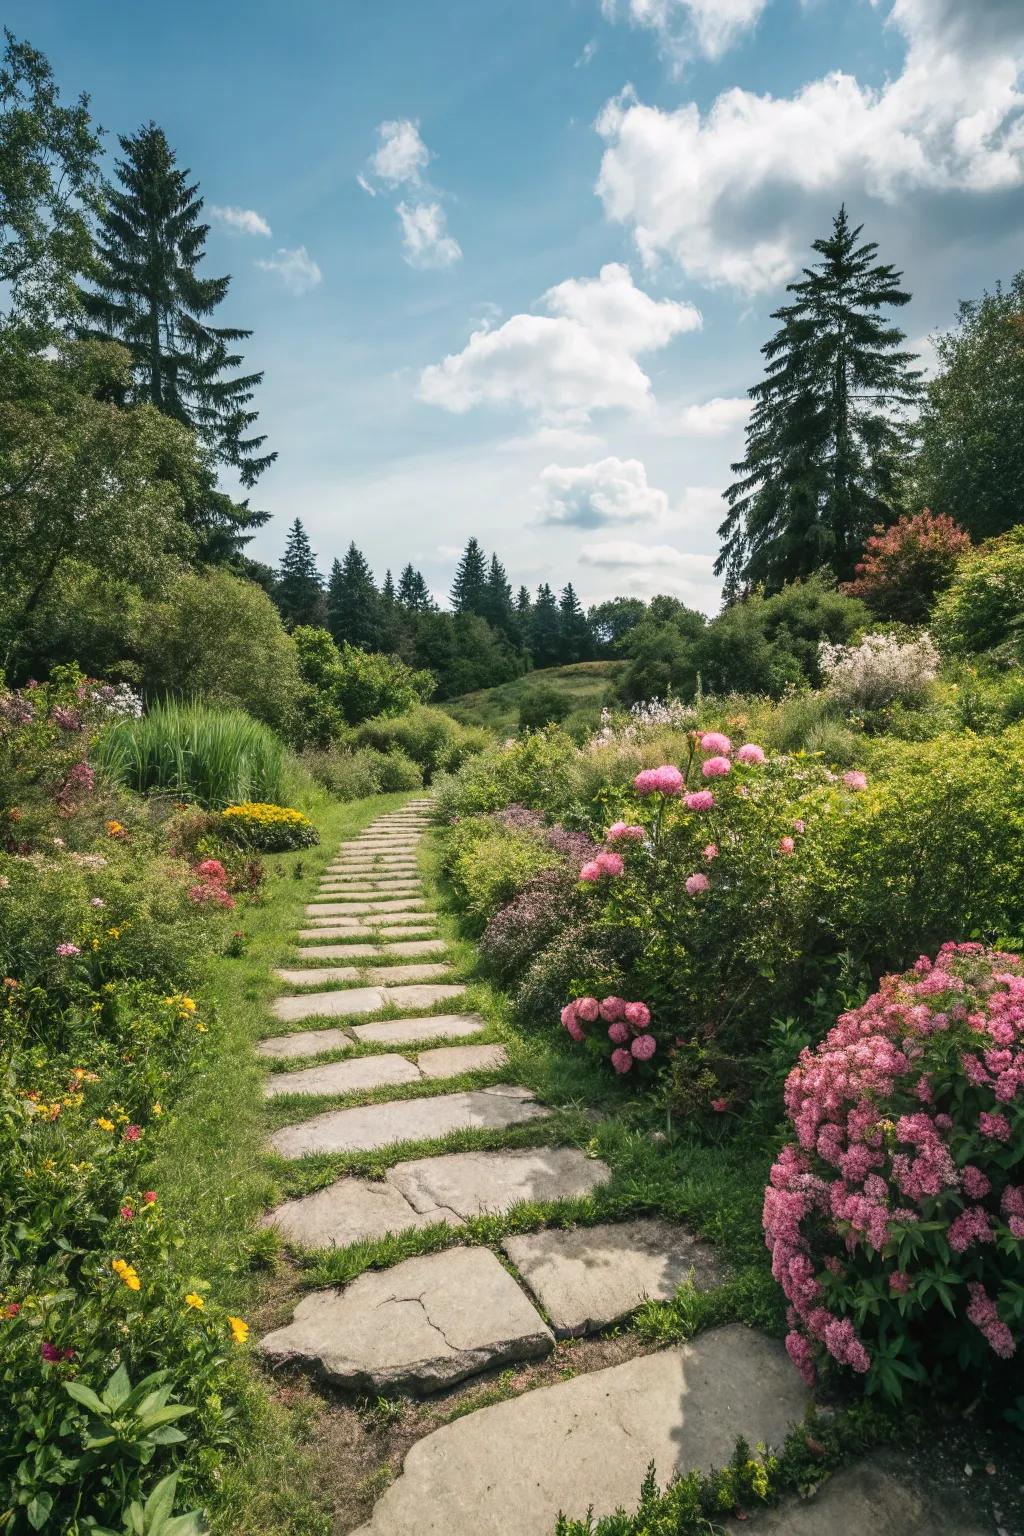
509 263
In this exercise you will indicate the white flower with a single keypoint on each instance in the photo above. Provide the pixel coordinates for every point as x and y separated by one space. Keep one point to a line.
879 671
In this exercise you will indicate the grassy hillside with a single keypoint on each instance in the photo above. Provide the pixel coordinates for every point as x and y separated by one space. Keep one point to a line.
587 685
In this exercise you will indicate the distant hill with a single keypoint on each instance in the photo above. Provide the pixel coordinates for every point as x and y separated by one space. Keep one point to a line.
586 685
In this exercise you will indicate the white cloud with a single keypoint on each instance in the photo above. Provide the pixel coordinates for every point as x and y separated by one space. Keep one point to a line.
401 156
246 221
683 27
643 570
587 53
579 358
712 418
600 495
296 268
554 439
425 236
726 193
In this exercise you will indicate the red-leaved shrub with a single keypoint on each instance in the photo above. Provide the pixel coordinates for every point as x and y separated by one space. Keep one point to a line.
905 565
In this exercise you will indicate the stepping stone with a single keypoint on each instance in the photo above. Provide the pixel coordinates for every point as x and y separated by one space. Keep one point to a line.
370 923
353 1000
364 882
512 1468
380 976
441 1026
450 1060
343 1076
332 931
418 1327
361 908
348 1211
879 1496
368 1126
362 892
463 1184
591 1277
306 1042
371 951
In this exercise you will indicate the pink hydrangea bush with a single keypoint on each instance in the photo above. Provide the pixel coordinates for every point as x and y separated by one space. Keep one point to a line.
895 1220
614 1028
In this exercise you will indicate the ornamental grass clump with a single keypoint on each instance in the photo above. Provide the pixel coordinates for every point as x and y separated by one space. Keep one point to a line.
196 752
895 1220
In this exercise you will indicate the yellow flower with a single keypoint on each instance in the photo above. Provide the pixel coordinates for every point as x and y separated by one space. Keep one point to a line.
114 933
239 1330
105 1124
187 1004
201 1027
126 1273
192 1300
158 1109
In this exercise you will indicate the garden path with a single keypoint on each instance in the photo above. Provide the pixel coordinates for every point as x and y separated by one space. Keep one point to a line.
436 1319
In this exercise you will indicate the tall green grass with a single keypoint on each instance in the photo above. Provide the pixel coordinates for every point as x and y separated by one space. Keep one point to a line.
214 756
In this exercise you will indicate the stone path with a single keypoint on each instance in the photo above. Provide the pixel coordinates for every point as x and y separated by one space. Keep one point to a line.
370 944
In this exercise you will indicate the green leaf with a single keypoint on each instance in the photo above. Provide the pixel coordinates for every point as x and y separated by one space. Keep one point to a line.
160 1503
165 1415
38 1512
117 1388
86 1396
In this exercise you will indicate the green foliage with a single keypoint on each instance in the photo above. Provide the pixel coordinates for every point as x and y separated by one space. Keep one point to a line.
532 771
983 609
586 686
214 756
270 828
430 737
354 611
347 686
487 864
543 705
88 615
298 586
348 775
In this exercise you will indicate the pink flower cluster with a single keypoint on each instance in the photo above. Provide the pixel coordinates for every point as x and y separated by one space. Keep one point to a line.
621 832
603 864
211 889
666 780
627 1023
902 1115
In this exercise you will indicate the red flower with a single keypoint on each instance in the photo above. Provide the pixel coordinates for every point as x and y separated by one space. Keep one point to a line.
132 1132
12 1308
149 1196
126 1213
719 1105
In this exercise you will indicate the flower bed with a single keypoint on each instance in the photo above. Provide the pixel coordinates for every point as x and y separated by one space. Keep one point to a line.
271 828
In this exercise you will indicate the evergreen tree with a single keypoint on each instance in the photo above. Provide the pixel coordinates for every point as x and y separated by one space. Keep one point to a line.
469 589
299 589
545 628
498 609
353 603
524 607
150 296
575 640
413 592
388 596
828 435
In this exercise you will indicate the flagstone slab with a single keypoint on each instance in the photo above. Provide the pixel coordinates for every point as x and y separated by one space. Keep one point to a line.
354 930
450 1060
371 951
361 908
438 1026
364 882
371 921
348 1211
379 975
305 1042
418 1327
591 1277
463 1184
368 1126
879 1495
343 1076
328 1005
510 1469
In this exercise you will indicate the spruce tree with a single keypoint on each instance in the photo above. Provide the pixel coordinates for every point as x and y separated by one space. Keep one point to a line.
388 596
151 297
575 641
498 609
828 437
545 628
353 603
469 589
413 592
299 588
524 607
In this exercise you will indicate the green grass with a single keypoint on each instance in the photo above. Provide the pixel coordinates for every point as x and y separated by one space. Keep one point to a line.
586 685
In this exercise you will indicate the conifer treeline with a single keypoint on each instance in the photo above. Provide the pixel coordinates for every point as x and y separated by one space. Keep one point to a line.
487 636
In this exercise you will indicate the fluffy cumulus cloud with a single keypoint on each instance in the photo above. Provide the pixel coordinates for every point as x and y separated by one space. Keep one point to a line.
711 418
643 570
578 358
244 221
401 157
425 235
683 27
601 495
296 269
725 193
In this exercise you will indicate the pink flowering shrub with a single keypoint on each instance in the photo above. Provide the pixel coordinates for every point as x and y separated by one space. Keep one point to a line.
614 1028
895 1220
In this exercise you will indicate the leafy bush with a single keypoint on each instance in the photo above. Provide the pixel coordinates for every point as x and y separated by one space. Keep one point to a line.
906 565
343 687
881 670
487 864
354 775
518 931
896 1220
272 828
214 756
983 610
432 738
543 706
536 771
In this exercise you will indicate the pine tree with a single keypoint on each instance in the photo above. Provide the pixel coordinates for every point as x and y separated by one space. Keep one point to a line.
545 628
524 607
828 435
388 596
575 640
498 609
299 588
150 296
353 603
413 592
469 589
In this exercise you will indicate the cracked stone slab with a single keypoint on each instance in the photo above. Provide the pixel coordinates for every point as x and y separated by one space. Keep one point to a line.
361 908
880 1495
371 951
439 1026
343 1076
510 1469
368 1126
591 1277
306 1042
348 1211
352 1000
467 1184
379 976
450 1060
418 1327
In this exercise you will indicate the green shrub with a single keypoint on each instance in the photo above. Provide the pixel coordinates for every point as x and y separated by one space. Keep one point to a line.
194 751
542 706
345 686
536 770
487 864
432 738
354 775
983 609
271 828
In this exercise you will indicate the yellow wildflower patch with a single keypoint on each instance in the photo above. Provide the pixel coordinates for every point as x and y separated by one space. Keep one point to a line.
127 1273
